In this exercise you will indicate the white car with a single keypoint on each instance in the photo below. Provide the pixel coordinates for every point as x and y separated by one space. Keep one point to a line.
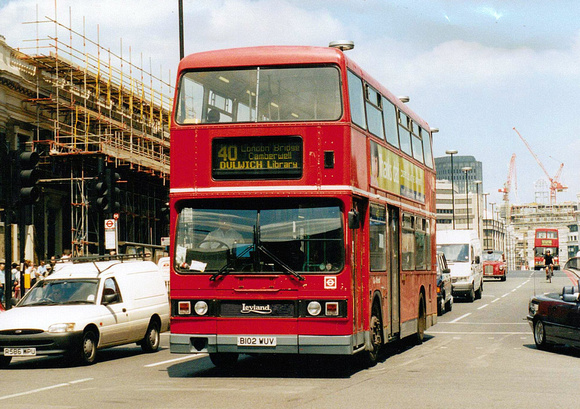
83 307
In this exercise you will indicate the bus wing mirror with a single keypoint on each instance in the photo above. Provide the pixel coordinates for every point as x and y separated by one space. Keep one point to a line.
353 220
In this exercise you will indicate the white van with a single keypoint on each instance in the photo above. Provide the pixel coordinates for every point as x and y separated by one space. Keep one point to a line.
462 249
85 306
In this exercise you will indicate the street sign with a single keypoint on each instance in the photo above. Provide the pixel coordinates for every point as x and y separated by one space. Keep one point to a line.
111 234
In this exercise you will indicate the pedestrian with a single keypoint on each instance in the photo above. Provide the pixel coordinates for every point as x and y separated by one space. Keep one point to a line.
15 280
2 283
41 271
30 269
51 265
65 255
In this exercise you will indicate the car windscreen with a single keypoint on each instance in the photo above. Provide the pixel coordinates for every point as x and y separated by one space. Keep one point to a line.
61 292
455 252
493 256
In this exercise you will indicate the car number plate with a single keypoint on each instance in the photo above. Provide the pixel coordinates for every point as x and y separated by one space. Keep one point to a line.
256 341
19 351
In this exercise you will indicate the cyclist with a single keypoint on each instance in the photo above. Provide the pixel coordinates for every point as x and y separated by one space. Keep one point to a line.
549 263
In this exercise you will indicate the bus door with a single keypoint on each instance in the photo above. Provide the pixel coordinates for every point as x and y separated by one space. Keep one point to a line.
357 265
394 271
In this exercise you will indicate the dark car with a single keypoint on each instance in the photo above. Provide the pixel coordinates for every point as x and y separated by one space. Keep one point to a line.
494 264
444 290
555 317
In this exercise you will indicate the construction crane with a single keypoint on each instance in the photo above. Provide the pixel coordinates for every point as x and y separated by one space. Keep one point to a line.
555 185
507 187
512 178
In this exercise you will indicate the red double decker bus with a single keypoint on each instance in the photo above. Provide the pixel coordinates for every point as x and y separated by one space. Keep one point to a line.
302 207
544 240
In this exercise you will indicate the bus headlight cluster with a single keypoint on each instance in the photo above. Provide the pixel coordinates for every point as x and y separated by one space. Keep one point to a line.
323 308
191 307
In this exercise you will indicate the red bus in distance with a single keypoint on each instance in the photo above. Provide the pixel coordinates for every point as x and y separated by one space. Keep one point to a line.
302 207
546 239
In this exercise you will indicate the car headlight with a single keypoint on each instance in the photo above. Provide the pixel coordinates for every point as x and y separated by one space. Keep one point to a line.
533 308
61 328
501 267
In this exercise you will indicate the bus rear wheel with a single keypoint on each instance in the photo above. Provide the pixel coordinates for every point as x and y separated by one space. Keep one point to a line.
421 321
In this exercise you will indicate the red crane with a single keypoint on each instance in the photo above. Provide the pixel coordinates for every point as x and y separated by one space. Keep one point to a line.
555 185
507 187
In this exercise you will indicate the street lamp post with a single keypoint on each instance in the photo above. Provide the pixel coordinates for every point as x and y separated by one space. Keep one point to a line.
465 170
477 183
492 225
452 152
485 222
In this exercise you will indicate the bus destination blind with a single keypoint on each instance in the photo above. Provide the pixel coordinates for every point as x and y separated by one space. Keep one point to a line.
257 158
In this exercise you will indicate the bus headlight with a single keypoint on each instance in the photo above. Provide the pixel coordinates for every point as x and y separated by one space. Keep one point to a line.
314 308
201 308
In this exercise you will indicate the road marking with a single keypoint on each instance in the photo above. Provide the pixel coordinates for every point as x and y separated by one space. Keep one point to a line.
59 385
482 307
505 295
183 358
514 290
460 318
477 333
497 299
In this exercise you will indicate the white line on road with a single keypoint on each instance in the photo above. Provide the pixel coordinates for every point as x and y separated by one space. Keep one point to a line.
60 385
460 318
482 307
505 295
477 333
497 299
183 358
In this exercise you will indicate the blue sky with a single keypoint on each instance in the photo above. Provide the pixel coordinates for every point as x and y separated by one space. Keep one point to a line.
473 69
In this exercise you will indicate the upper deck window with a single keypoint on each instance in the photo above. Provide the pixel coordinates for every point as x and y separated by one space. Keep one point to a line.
286 94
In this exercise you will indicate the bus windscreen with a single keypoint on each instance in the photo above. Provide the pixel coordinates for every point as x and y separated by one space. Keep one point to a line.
266 236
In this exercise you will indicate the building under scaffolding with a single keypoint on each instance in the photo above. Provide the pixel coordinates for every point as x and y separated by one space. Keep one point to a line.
78 104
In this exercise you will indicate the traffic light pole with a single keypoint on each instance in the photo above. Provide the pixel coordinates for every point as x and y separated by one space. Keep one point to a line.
6 200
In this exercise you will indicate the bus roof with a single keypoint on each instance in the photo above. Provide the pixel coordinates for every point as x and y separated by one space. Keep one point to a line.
263 55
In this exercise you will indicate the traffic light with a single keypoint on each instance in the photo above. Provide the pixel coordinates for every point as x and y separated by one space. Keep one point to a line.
28 177
114 193
102 191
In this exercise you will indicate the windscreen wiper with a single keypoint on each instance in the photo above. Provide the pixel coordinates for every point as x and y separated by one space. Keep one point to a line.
225 269
280 262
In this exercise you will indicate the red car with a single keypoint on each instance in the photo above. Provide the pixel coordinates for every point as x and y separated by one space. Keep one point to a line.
494 264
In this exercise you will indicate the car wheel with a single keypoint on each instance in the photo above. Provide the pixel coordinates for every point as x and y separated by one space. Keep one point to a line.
5 361
540 335
471 295
152 338
441 306
223 359
88 348
449 304
503 277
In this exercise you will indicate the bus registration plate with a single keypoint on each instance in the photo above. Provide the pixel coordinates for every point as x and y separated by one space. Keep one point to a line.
256 341
19 351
